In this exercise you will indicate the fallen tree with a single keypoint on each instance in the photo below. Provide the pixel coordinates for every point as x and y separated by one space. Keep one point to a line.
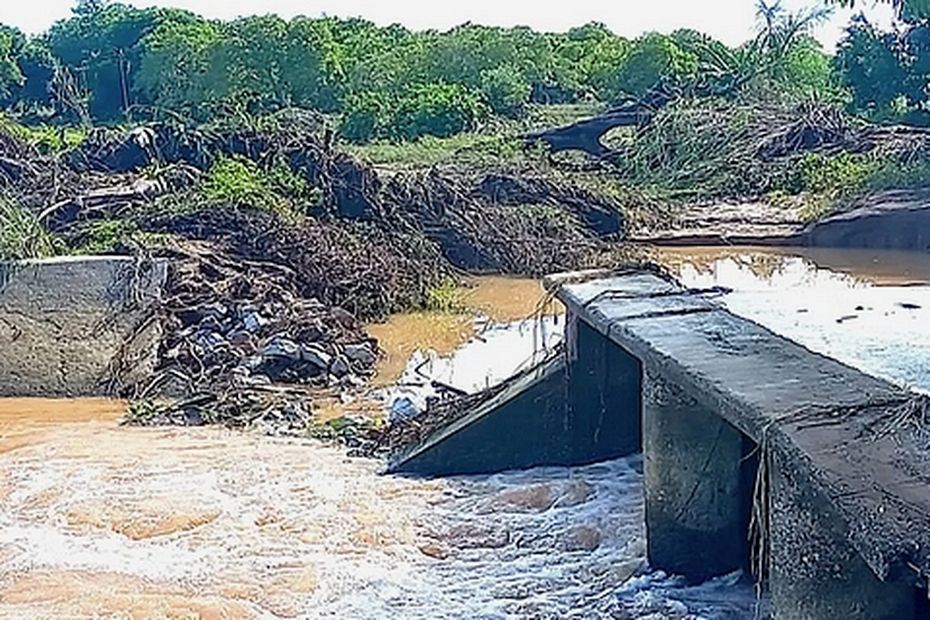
586 135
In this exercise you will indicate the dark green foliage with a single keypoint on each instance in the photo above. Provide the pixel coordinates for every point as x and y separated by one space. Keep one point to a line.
365 117
438 110
654 58
110 62
11 75
22 235
505 89
870 66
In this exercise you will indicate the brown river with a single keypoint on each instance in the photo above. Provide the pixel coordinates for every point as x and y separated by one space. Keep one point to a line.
102 521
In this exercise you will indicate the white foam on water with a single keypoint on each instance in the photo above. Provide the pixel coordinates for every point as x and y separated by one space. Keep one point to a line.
304 531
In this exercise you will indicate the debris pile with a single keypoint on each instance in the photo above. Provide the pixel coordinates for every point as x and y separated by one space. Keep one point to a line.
264 303
249 345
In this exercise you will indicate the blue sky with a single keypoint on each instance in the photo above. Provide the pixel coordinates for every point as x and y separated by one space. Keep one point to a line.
731 21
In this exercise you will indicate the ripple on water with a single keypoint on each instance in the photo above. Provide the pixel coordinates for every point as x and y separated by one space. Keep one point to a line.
172 521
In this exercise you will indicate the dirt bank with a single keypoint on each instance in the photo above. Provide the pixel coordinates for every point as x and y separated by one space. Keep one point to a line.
891 220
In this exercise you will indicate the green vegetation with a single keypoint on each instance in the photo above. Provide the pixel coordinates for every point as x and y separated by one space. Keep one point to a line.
240 182
111 62
775 116
48 139
22 235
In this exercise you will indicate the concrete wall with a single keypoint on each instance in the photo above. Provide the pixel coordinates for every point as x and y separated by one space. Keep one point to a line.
574 413
77 326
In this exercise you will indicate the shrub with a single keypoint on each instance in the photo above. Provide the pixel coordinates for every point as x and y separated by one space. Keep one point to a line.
835 175
240 182
654 57
365 118
505 89
438 110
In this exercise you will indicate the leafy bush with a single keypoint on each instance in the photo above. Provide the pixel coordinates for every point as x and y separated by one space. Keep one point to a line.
901 175
505 89
835 175
654 57
438 110
365 118
240 182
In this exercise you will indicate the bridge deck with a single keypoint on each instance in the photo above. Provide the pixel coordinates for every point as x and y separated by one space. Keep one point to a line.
844 432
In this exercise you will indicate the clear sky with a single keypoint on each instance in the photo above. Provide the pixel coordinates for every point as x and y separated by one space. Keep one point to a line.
731 21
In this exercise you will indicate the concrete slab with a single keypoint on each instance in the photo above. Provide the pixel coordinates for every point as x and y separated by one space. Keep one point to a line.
77 326
562 412
813 410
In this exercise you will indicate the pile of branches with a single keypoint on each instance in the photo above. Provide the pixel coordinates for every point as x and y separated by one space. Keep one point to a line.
716 147
811 127
504 223
263 308
362 268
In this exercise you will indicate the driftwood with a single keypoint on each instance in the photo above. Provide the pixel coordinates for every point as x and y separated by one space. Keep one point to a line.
65 212
586 135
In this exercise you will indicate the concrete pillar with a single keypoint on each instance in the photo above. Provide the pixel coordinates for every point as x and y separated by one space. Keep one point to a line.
697 495
604 418
814 572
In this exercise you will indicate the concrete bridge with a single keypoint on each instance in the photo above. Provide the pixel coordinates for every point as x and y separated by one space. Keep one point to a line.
759 454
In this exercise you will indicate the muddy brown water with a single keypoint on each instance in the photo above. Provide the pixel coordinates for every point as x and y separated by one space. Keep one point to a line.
102 521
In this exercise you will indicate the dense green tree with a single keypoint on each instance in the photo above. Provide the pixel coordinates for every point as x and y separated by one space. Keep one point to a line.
89 7
869 65
109 60
654 58
506 89
437 109
102 49
174 64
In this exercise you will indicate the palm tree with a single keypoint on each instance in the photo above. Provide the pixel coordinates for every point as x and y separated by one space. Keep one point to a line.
898 5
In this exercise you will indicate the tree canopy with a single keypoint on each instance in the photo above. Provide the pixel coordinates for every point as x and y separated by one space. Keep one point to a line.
110 62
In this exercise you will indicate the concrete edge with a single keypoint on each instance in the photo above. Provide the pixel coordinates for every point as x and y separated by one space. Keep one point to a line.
511 390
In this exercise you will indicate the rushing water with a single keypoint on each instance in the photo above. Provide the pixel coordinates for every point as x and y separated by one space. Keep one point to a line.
97 520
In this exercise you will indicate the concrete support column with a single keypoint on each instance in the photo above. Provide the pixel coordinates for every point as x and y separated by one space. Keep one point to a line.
814 572
696 492
604 396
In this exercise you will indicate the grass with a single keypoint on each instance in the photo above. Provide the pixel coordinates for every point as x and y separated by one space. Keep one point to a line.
474 149
494 144
48 139
22 236
447 296
240 181
825 183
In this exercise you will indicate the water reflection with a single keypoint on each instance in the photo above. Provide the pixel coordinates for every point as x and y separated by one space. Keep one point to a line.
857 313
